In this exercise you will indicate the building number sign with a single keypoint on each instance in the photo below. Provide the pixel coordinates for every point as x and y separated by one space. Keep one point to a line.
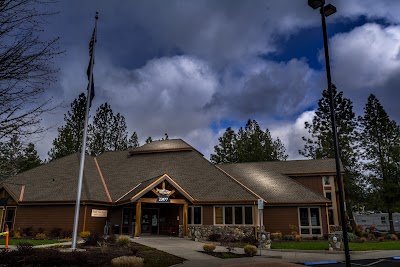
163 199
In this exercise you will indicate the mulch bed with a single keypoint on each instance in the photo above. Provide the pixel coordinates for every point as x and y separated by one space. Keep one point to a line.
92 257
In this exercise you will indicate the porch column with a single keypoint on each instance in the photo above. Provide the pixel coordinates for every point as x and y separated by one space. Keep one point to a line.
185 219
138 214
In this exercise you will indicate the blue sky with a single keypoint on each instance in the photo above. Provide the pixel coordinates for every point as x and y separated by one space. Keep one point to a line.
193 68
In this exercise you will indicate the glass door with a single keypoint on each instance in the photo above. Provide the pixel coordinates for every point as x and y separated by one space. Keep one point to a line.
150 221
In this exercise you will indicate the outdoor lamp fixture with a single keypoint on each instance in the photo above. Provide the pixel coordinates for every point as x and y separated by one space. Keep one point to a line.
327 10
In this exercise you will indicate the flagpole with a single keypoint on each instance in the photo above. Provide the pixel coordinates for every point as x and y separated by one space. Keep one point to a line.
82 163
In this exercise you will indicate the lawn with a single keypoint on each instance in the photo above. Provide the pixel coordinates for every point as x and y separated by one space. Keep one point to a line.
34 242
323 245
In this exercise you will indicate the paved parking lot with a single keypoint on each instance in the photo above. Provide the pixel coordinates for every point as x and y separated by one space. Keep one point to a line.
387 262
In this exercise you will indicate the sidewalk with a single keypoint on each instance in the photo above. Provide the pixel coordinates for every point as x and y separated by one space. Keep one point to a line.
189 250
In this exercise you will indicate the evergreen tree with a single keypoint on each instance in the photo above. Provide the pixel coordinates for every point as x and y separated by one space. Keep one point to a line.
149 140
133 141
16 158
380 140
320 145
69 139
250 144
226 151
30 159
100 131
108 131
119 134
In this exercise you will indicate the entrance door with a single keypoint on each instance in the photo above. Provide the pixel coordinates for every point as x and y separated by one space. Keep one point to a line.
128 221
150 221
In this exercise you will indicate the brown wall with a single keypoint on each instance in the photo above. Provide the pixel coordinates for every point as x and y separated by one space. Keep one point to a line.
278 219
312 182
57 216
208 215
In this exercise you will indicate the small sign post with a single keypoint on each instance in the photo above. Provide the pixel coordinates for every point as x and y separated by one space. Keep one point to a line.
260 214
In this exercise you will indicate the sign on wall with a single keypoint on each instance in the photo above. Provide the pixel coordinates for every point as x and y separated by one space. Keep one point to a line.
99 213
162 199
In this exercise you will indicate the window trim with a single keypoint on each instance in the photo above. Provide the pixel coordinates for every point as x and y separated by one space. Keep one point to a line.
192 215
310 227
233 215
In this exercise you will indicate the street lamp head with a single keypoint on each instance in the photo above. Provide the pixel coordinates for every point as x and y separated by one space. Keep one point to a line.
329 10
316 3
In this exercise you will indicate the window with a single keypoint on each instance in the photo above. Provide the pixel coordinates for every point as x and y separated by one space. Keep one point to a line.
229 215
330 216
328 195
327 180
310 223
194 215
383 220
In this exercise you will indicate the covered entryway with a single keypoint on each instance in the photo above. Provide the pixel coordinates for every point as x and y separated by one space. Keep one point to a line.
157 207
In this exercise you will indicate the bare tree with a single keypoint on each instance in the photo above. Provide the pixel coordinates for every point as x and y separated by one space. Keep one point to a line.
26 66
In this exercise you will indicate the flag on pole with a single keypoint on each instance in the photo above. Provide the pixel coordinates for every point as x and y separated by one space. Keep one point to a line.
90 66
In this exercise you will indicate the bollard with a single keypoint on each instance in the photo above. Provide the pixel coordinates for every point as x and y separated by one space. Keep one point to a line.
7 236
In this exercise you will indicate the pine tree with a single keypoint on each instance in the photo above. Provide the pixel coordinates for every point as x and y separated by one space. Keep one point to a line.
107 132
149 140
380 140
15 157
69 139
320 145
100 131
119 134
226 151
30 159
133 141
250 144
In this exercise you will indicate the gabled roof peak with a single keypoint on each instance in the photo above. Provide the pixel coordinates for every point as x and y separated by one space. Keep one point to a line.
170 145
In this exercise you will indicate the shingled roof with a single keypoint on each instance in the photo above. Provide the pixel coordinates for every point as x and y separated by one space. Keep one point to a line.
123 171
269 180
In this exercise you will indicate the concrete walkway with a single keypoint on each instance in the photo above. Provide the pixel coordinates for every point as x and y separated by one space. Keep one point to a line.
189 250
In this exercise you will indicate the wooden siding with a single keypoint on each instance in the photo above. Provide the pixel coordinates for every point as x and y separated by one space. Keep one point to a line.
278 219
312 182
208 215
49 217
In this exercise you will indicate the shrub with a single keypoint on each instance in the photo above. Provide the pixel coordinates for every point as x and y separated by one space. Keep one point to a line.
84 234
209 247
215 237
277 235
298 237
111 239
250 240
371 236
294 228
40 236
123 241
250 250
67 234
315 237
288 237
350 237
55 232
363 239
127 261
92 239
27 231
358 231
381 238
16 235
394 237
39 231
103 246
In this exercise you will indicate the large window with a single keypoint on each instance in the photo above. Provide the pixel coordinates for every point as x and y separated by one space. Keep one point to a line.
233 215
194 215
310 222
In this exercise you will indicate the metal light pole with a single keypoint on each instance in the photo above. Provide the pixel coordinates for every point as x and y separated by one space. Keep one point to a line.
325 12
